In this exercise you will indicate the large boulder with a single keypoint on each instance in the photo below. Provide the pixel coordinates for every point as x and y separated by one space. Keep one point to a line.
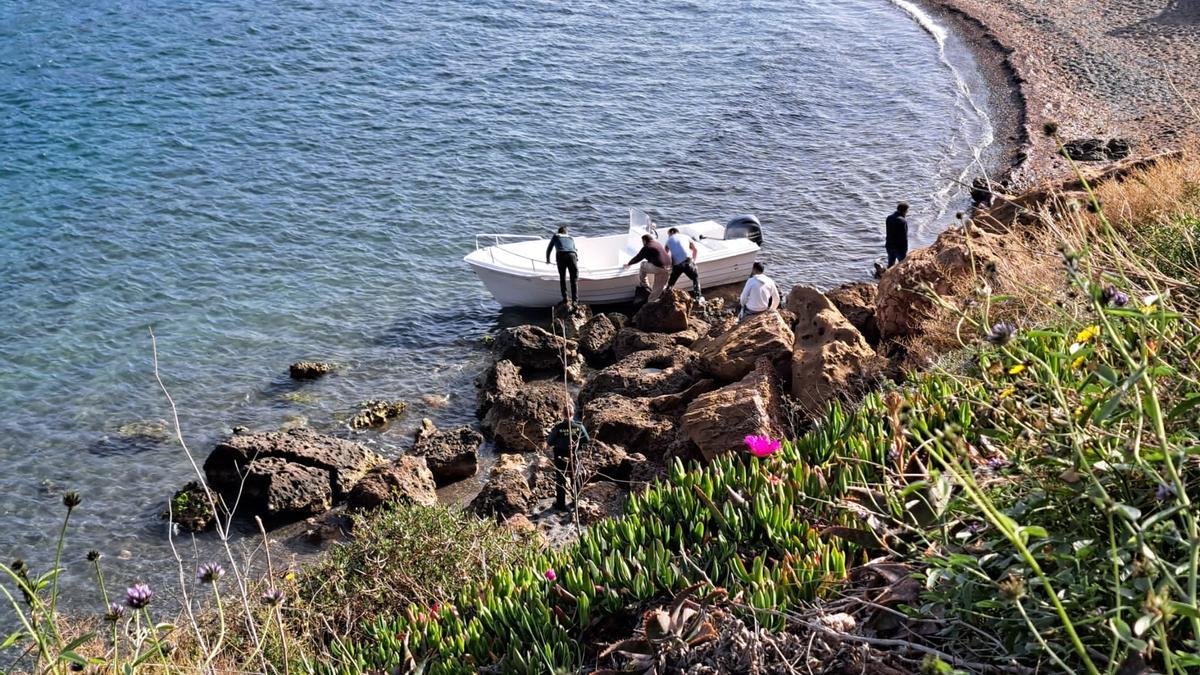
630 340
719 421
507 492
596 340
629 423
653 373
948 267
668 314
451 455
828 358
501 380
732 356
286 475
856 302
520 420
534 348
407 480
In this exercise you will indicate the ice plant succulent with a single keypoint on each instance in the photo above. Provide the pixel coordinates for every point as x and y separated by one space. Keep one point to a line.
210 573
138 596
550 575
762 446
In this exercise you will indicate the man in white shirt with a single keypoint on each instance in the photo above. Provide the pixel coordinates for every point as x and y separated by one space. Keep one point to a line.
760 294
683 259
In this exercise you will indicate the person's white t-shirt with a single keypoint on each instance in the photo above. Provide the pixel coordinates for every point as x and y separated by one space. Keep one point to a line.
759 292
680 246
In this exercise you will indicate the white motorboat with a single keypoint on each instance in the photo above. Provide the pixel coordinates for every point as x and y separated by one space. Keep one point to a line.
514 269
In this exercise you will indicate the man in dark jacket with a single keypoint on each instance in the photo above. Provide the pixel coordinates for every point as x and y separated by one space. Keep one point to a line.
568 438
655 262
568 262
896 241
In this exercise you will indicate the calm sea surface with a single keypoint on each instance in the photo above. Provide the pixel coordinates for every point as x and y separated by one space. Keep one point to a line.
260 181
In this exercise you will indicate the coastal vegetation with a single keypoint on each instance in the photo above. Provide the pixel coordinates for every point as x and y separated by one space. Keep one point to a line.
1023 501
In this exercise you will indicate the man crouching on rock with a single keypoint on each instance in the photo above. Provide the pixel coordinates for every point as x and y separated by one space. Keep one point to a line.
567 439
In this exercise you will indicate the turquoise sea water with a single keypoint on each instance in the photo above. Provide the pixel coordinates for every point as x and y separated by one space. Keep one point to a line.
263 181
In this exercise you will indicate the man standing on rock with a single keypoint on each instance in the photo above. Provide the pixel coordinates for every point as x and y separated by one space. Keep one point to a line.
896 241
683 259
568 261
568 438
655 262
760 294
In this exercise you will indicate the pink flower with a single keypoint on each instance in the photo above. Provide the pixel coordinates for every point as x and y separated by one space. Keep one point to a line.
550 575
774 480
762 446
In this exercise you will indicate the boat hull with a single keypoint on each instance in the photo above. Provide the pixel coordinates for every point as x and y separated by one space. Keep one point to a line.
542 290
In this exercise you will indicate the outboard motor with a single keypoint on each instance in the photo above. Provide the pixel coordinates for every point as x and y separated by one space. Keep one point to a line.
745 227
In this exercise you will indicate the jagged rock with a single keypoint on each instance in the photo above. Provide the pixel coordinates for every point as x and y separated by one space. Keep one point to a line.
407 480
596 340
668 314
947 267
568 321
719 421
732 356
856 302
603 461
828 356
630 340
376 413
541 476
533 348
521 526
451 455
1097 150
519 422
629 423
507 493
654 373
673 405
327 528
501 380
191 509
598 501
288 474
309 370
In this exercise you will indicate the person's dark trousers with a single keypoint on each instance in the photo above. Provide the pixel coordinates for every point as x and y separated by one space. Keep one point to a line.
568 263
896 254
688 269
562 475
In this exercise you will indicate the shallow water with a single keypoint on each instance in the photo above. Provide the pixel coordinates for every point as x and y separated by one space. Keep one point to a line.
260 182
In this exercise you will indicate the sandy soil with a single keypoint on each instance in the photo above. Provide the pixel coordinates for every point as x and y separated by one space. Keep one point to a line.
1099 68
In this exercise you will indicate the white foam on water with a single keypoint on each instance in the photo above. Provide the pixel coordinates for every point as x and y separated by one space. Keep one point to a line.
972 114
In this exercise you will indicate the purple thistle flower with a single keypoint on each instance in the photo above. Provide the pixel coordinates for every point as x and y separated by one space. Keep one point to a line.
273 597
114 613
1113 297
210 573
976 526
1164 492
996 463
138 596
1002 333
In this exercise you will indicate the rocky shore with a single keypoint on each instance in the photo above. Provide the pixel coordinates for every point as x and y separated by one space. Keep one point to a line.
1103 70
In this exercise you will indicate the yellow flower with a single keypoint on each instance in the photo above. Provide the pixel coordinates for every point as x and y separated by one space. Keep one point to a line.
1148 309
1087 334
1007 392
1077 362
1017 369
289 576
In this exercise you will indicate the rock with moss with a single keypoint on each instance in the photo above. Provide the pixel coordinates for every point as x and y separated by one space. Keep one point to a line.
191 509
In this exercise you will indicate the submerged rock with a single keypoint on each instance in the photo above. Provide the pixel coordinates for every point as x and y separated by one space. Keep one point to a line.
719 421
191 509
310 370
451 455
732 356
668 314
376 413
407 480
288 475
650 373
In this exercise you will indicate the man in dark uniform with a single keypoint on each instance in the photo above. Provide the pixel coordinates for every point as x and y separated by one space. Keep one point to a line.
896 241
568 262
568 438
